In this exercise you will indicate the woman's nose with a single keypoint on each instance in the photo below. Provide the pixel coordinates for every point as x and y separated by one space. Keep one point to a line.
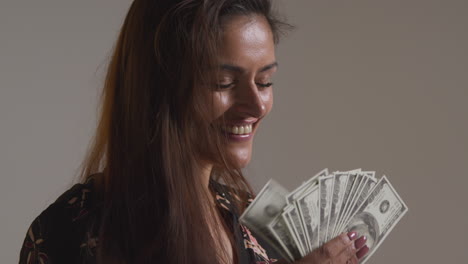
249 100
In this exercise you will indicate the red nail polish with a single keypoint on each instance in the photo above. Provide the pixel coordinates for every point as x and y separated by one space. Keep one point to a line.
360 242
362 252
352 235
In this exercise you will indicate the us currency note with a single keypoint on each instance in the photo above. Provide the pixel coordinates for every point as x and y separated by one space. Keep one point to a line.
292 228
294 195
378 215
362 179
309 213
368 186
297 225
367 182
341 178
321 208
325 191
357 181
268 204
283 235
349 184
338 205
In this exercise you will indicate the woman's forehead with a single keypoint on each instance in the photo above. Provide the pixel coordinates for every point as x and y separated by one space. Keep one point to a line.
247 40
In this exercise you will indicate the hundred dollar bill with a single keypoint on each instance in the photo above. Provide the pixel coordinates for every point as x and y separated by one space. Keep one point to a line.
366 177
279 229
341 178
294 195
301 222
348 199
298 192
293 220
351 178
343 189
378 215
292 229
268 204
325 191
368 186
309 213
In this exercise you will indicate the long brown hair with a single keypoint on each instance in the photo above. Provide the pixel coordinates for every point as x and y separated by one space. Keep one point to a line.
155 130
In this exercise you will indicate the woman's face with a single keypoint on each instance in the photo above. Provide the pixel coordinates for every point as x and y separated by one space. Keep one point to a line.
244 96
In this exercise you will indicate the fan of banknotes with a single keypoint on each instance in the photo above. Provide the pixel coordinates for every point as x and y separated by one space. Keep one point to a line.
297 222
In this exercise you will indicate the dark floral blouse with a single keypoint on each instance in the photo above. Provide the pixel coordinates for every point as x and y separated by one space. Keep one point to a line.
64 232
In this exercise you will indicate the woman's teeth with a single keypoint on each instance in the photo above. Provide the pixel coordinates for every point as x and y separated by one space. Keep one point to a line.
239 130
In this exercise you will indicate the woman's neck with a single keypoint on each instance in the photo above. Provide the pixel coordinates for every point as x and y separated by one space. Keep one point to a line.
205 175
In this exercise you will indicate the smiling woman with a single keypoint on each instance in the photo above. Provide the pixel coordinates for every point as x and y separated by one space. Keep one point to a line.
245 94
187 87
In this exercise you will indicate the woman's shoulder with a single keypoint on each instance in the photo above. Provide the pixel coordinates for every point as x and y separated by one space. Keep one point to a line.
64 228
74 205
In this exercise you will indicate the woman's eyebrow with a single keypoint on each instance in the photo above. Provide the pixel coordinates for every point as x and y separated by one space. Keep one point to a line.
238 69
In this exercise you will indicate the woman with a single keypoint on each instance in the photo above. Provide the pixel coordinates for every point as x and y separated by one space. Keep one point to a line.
187 87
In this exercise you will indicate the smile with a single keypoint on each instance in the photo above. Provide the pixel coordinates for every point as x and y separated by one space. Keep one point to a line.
239 130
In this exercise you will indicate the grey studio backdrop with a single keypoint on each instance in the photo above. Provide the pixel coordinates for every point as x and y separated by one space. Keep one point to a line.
379 85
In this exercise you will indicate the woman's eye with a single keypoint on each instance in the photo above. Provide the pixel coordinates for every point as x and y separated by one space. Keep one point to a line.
265 85
230 85
225 86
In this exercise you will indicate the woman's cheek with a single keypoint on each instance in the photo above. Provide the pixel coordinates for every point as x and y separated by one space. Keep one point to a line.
267 98
221 103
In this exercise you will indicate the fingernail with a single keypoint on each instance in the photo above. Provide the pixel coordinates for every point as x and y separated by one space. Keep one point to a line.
362 252
352 235
360 242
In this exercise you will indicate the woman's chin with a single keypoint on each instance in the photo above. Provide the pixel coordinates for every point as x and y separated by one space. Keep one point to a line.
242 164
241 156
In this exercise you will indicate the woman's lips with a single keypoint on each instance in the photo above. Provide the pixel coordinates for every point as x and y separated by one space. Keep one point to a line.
239 132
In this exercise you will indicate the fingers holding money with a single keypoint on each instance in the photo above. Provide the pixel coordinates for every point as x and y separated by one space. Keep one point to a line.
352 247
345 246
340 250
319 210
343 243
362 252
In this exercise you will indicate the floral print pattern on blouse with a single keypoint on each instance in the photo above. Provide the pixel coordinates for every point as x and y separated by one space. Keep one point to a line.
64 232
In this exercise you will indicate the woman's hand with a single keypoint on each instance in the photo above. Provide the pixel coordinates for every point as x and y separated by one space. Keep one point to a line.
344 249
